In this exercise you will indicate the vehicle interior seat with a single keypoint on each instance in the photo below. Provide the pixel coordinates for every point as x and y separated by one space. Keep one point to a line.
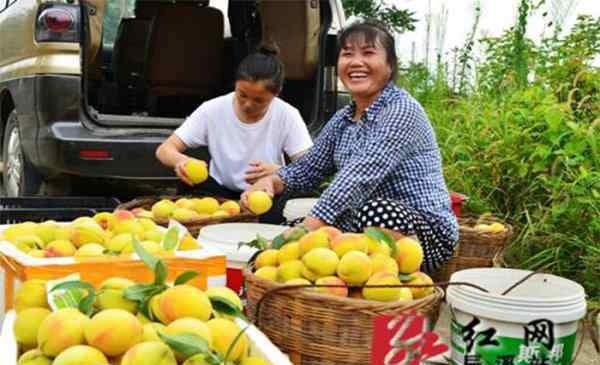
298 40
129 53
185 51
297 36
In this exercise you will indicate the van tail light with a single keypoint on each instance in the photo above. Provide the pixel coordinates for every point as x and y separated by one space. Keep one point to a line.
57 23
95 155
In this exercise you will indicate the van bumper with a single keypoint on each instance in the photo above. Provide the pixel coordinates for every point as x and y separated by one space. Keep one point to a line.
75 150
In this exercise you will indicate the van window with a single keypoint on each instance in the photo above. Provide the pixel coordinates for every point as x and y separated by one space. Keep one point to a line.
115 10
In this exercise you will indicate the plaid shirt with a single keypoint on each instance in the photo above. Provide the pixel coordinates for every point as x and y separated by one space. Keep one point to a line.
390 153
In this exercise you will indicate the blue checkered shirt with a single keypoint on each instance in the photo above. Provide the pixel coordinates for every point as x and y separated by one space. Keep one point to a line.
390 153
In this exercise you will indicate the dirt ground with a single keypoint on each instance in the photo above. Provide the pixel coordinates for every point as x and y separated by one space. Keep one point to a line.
587 354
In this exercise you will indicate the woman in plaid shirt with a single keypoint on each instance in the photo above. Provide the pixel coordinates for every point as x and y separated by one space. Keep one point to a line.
383 152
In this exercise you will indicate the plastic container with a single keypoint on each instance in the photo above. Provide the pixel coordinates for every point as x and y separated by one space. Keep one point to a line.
298 208
226 238
458 200
59 202
260 345
535 323
16 267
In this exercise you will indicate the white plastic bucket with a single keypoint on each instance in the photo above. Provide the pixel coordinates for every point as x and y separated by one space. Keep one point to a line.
298 208
226 238
535 323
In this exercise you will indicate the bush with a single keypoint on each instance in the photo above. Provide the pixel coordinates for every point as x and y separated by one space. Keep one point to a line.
529 153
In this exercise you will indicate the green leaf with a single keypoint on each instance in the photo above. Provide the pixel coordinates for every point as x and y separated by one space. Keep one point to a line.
296 234
234 342
185 277
259 242
281 239
278 241
144 255
171 238
160 273
186 344
144 307
380 236
154 263
405 277
139 292
86 305
222 305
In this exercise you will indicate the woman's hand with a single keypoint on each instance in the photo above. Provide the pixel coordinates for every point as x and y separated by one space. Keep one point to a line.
265 184
180 171
313 223
258 170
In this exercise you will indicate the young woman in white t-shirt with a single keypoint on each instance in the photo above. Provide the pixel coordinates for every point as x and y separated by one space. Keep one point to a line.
247 132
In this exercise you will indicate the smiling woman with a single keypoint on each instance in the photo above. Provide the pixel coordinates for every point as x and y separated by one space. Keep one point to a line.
382 149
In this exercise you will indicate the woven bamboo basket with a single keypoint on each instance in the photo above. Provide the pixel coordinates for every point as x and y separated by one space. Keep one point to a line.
595 329
318 329
193 226
457 263
477 243
498 260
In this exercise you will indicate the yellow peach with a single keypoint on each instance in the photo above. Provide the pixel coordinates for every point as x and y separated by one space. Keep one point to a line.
385 294
189 325
151 352
113 331
289 252
289 270
382 262
347 242
332 280
266 258
80 355
321 261
184 301
60 330
312 240
27 324
420 278
409 255
355 268
267 273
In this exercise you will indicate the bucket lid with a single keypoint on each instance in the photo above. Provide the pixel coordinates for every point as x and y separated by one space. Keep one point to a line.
227 236
542 295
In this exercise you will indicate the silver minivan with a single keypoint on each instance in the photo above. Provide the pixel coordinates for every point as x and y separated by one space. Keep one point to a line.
88 89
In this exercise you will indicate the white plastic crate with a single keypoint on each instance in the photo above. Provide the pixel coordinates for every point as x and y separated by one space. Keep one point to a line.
260 345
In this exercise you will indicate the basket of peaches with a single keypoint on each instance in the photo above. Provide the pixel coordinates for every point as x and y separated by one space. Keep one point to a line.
326 287
194 212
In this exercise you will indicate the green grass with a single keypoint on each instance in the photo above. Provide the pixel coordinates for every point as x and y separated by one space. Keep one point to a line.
524 144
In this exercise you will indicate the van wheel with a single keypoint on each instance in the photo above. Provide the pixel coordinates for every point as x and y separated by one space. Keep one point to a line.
19 175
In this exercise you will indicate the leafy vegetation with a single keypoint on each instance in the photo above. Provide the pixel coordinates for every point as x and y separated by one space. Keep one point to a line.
397 20
523 141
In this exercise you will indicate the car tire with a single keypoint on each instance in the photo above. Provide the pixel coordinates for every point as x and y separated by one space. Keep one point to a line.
18 174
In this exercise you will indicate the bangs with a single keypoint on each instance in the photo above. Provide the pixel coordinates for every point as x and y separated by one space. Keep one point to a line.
360 35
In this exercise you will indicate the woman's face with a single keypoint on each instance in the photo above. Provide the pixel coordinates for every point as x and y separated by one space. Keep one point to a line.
252 98
363 68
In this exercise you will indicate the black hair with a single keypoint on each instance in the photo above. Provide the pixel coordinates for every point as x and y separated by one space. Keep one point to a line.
263 65
371 31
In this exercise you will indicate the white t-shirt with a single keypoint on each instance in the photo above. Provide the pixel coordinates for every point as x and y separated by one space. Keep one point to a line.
233 144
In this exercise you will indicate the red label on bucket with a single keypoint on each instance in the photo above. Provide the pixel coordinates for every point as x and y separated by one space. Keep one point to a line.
403 340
